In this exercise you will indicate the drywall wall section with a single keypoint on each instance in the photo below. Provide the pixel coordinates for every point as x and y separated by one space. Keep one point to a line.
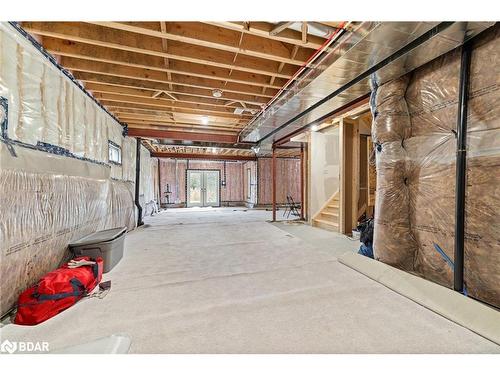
287 180
324 148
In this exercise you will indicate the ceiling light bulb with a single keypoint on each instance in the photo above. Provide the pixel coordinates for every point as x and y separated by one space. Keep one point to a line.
204 120
216 93
214 150
314 128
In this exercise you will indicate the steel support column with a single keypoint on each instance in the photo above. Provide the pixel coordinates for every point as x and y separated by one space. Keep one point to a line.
138 181
274 183
302 179
461 169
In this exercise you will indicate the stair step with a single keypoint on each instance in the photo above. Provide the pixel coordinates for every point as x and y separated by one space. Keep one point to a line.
333 206
327 223
330 214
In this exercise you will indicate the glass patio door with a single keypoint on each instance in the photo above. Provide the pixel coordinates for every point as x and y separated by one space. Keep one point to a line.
202 188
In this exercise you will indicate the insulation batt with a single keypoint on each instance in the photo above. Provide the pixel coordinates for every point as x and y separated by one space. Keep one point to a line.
46 200
43 212
416 170
392 204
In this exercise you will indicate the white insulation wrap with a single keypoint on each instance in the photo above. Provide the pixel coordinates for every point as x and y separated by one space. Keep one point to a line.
49 200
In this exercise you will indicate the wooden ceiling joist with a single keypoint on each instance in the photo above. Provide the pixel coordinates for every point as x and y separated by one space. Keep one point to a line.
106 37
155 102
130 117
170 127
279 27
180 79
155 87
113 56
209 36
204 156
179 135
156 76
174 120
179 117
264 28
162 96
191 82
200 112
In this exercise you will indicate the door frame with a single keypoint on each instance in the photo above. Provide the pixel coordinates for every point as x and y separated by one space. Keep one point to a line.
202 170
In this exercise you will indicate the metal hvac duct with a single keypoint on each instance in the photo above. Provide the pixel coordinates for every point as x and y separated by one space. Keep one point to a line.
371 45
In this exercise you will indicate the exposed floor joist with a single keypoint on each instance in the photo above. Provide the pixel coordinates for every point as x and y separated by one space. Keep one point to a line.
207 77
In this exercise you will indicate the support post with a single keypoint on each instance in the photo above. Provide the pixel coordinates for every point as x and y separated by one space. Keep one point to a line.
159 184
302 178
138 181
461 169
274 183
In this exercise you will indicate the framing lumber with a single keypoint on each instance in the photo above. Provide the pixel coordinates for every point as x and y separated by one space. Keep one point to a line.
264 28
179 135
110 56
105 37
199 112
138 93
205 156
162 103
200 37
156 76
90 78
278 28
155 126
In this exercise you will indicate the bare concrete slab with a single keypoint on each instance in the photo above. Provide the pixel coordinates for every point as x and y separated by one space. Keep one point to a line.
225 281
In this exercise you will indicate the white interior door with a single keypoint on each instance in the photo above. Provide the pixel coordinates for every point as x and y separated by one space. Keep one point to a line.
202 188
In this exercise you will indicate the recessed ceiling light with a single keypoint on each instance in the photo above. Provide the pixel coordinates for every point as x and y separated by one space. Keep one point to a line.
204 120
216 93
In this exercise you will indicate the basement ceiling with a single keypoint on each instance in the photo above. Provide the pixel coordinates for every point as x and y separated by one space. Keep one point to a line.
176 151
173 80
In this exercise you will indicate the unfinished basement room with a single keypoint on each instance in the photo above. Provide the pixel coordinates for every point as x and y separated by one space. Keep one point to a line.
249 187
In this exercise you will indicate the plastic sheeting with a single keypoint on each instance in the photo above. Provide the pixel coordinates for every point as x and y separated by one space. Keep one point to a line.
44 209
49 200
147 188
482 219
415 120
46 106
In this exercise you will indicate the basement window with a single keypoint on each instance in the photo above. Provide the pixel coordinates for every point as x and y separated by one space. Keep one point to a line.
115 153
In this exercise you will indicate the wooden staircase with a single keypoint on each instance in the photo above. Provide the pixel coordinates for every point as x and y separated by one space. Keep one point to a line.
328 217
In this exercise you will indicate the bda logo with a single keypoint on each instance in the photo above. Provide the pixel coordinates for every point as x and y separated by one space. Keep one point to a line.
8 347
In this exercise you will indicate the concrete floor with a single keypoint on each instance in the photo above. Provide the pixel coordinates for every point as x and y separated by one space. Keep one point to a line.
226 281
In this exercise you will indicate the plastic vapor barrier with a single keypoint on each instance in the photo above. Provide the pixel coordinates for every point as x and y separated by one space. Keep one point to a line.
414 130
56 181
48 201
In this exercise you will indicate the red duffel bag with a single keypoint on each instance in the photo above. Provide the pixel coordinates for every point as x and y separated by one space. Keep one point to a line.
57 291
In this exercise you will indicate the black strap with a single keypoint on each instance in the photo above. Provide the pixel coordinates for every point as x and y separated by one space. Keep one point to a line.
78 291
95 269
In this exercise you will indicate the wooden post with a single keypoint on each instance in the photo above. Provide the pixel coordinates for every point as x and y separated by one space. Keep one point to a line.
302 176
274 183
